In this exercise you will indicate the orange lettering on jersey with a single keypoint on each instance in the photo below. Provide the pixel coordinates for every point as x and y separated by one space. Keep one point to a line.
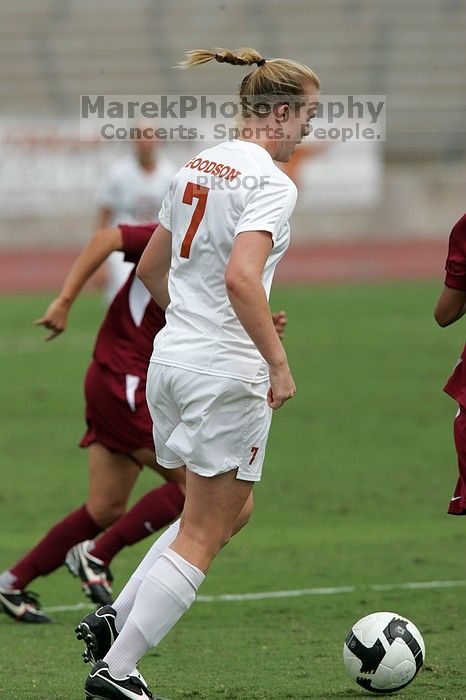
193 190
233 173
213 168
254 451
194 163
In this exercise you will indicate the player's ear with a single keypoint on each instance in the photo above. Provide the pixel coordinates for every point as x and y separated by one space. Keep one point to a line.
281 112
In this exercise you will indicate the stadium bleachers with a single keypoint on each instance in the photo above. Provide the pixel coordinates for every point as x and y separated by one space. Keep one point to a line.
51 51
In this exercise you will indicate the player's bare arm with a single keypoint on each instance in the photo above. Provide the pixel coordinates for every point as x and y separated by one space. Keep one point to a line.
451 306
243 279
94 253
154 266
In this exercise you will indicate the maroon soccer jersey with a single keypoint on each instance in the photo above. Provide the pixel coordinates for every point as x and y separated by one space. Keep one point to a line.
456 278
124 343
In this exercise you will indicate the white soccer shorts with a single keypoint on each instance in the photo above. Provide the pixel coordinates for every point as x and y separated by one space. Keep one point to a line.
211 424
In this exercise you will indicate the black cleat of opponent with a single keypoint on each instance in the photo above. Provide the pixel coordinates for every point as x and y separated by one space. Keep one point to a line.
96 577
100 685
98 631
22 606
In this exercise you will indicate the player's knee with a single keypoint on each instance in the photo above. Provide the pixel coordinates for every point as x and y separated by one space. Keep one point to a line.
209 539
105 513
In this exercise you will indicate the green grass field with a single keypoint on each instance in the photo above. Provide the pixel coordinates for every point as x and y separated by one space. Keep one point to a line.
360 468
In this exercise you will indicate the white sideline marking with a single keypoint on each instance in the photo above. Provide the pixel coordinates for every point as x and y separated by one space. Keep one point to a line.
299 593
69 608
229 597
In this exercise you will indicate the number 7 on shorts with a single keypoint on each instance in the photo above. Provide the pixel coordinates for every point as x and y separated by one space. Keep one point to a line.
200 192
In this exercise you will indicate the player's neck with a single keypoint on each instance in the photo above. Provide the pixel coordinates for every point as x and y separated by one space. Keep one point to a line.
264 143
254 132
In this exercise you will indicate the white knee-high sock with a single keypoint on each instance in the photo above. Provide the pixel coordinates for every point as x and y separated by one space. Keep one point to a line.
159 546
168 590
125 600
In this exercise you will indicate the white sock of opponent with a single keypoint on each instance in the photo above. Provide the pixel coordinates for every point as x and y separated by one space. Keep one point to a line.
168 590
125 600
7 579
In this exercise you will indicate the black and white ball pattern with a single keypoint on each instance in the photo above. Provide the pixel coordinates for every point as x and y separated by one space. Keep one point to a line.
383 652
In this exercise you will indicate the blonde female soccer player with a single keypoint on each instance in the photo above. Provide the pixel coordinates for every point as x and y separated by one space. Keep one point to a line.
218 368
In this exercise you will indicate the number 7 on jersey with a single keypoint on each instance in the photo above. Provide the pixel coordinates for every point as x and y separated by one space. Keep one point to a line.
199 192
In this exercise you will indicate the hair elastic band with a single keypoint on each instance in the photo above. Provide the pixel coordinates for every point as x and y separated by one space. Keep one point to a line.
261 62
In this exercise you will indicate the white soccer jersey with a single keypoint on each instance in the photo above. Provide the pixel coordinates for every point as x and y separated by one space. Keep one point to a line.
133 194
224 191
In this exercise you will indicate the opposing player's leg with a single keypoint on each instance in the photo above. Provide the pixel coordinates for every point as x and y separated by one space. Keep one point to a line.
47 555
112 476
150 514
90 561
457 505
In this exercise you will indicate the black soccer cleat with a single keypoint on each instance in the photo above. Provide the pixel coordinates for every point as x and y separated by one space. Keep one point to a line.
96 577
100 685
22 606
98 631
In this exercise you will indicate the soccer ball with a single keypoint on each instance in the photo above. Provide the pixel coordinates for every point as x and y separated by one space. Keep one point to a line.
383 652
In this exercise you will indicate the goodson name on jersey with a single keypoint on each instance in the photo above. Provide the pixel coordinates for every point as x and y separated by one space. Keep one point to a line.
213 168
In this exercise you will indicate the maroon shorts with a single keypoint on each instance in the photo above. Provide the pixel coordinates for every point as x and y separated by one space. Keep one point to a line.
457 505
116 411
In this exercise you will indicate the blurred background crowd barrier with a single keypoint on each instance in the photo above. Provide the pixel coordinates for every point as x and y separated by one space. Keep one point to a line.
412 51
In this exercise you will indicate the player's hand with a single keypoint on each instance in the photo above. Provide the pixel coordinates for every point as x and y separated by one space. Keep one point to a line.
282 386
55 318
280 319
